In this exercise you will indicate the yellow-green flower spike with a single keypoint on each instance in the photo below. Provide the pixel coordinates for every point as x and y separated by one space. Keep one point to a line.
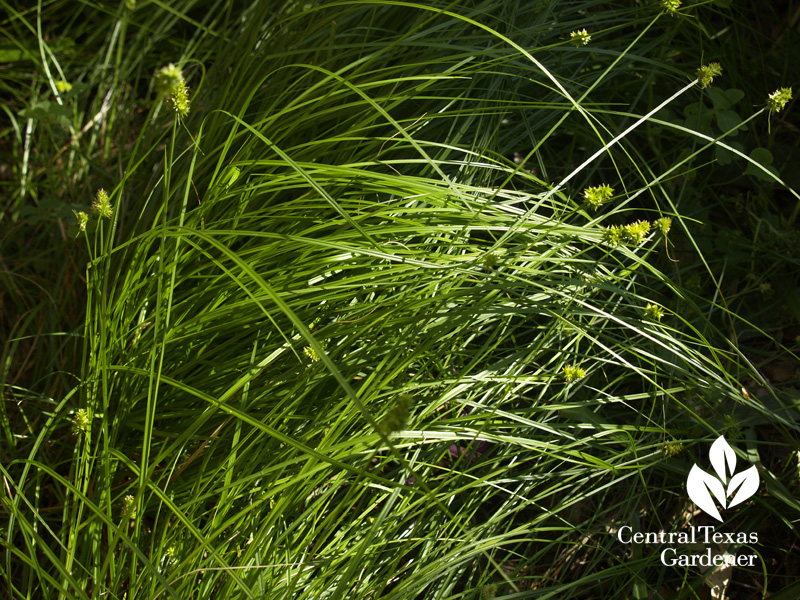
83 219
671 6
573 373
170 83
636 233
598 195
128 508
706 74
80 422
102 205
311 354
664 224
778 99
613 235
579 38
653 312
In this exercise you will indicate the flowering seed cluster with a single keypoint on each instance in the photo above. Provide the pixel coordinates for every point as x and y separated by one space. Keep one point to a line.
663 224
671 6
778 99
598 195
633 233
706 74
102 205
573 373
579 38
653 312
670 449
80 422
170 83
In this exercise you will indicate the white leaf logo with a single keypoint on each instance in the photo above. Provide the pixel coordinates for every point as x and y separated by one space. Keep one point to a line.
701 485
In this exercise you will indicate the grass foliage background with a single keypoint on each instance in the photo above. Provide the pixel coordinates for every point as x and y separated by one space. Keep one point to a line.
322 341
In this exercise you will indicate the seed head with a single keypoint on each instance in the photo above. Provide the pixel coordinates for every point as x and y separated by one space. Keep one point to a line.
598 195
636 233
706 74
778 99
613 235
170 83
83 219
579 38
653 312
311 354
489 592
80 422
102 205
671 6
663 224
671 449
128 508
573 373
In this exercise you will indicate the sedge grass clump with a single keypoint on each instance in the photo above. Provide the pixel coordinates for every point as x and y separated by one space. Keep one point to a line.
206 395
